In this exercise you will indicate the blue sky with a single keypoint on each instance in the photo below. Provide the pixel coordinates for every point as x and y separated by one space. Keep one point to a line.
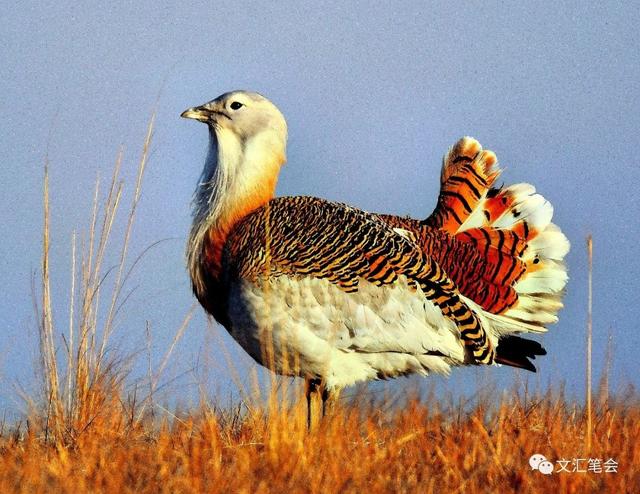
373 96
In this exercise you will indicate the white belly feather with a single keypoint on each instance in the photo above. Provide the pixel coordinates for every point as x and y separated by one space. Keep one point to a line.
317 330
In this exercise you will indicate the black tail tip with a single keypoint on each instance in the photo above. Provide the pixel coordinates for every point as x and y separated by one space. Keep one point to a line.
516 352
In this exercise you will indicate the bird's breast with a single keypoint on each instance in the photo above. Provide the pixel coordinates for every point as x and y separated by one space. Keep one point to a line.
310 327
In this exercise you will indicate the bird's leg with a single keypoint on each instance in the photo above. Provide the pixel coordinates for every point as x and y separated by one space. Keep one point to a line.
329 400
308 390
325 397
313 386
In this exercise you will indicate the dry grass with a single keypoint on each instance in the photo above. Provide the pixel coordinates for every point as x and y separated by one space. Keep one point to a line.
420 447
87 433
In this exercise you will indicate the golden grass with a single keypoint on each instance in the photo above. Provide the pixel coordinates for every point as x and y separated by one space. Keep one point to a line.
86 433
419 447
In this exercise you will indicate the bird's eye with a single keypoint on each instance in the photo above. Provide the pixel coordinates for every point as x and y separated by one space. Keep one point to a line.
236 105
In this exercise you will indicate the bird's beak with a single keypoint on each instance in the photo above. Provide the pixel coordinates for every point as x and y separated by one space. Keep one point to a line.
200 113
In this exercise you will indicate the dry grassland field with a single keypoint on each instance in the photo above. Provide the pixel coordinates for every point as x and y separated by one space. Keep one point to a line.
422 447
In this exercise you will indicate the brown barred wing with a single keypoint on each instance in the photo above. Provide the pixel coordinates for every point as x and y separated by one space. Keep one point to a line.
484 263
309 237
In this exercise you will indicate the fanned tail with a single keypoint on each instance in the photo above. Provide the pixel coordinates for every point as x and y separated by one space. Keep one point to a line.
518 277
467 173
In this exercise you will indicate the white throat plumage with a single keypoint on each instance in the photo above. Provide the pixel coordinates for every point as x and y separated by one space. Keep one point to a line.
216 180
239 176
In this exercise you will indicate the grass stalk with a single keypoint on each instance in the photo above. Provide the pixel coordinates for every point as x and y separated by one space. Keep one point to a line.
589 343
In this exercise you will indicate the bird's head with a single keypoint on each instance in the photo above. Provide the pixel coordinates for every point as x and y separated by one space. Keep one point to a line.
244 119
248 137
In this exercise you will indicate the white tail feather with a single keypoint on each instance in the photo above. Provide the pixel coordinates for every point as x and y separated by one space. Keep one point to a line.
549 244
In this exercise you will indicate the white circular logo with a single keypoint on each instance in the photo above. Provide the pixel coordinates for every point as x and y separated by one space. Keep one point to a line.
535 461
545 467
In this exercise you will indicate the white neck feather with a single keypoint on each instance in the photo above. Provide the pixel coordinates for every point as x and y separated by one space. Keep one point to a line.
238 175
216 182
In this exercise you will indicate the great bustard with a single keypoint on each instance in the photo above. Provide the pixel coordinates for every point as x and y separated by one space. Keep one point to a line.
338 295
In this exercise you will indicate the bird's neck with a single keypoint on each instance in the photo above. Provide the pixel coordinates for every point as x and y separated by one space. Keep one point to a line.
239 177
